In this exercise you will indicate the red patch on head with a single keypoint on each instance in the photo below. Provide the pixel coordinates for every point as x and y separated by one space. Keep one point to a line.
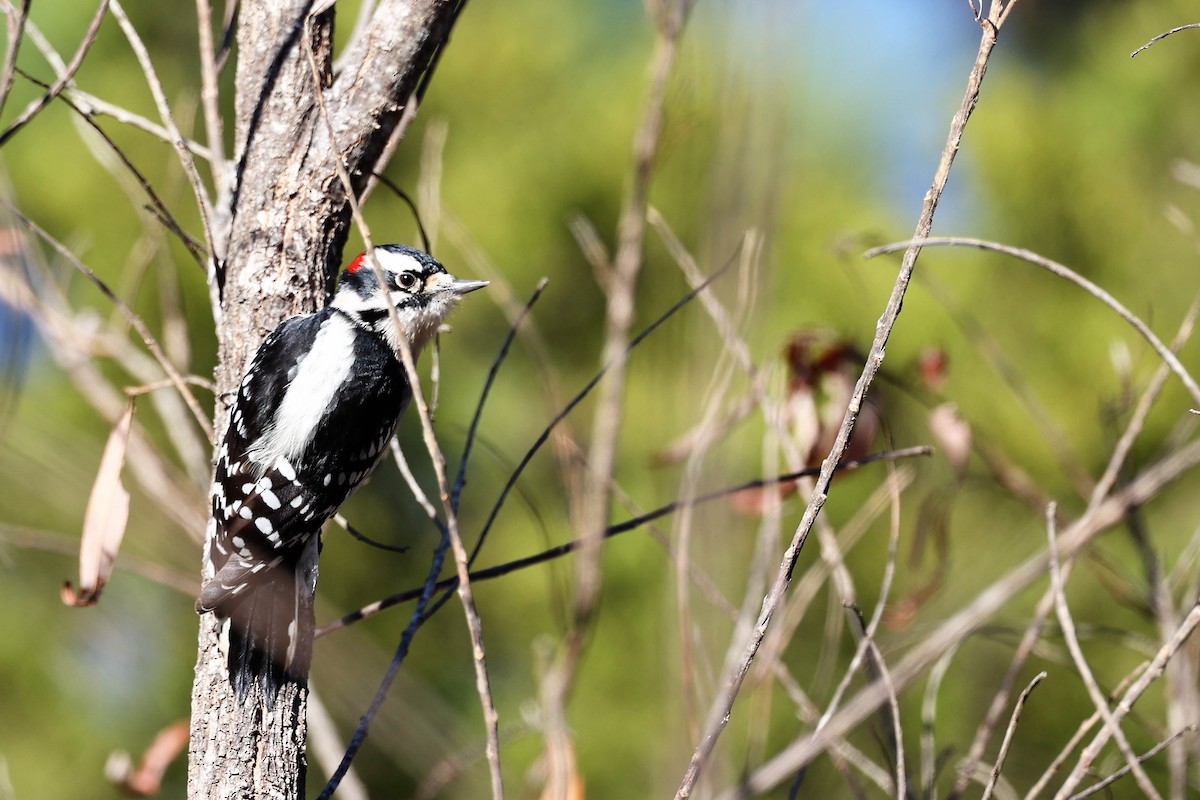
358 263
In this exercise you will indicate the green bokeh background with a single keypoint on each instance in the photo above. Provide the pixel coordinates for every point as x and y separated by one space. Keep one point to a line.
772 124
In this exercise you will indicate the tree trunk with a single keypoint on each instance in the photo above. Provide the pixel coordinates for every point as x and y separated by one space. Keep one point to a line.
285 226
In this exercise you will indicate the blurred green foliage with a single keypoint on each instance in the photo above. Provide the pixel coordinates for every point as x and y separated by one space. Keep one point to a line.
1070 154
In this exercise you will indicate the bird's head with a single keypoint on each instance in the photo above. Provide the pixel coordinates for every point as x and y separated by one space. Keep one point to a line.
420 288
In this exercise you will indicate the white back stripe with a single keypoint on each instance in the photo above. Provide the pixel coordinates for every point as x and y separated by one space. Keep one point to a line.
319 377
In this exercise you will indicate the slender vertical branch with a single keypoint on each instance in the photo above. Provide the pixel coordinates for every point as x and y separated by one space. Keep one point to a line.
17 17
203 203
620 285
214 129
722 707
620 289
1008 735
1067 624
437 459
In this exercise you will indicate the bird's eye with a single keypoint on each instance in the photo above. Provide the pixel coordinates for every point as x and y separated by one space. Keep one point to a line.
407 280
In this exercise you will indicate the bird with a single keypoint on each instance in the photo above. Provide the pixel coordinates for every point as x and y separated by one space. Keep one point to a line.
313 415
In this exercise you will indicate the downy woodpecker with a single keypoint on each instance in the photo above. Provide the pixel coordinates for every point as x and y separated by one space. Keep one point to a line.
314 413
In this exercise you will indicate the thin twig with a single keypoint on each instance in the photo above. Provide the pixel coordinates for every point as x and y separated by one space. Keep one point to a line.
167 383
157 207
17 18
993 352
93 106
1147 484
474 625
1123 771
1045 605
130 316
722 706
1067 624
203 203
878 670
983 733
929 718
64 77
325 747
613 530
1164 35
562 438
541 439
214 130
868 635
1084 728
69 343
1156 668
359 536
1082 731
414 487
721 378
1125 444
460 480
619 314
1008 734
1061 271
408 201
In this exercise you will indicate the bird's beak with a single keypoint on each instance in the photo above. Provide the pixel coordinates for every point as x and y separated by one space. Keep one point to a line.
459 287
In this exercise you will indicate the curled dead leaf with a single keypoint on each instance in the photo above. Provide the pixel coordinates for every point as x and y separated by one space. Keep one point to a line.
105 519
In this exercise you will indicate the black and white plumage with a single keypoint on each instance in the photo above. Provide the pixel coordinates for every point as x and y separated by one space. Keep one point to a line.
314 413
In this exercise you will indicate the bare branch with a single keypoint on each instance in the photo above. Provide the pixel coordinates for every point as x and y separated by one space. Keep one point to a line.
438 459
214 129
1061 271
990 599
1008 734
1156 668
130 315
325 745
17 18
722 706
593 509
929 717
93 106
1164 35
1134 427
1067 624
203 203
1121 773
612 530
64 77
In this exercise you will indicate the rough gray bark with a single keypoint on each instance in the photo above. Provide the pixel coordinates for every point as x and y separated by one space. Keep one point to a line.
284 227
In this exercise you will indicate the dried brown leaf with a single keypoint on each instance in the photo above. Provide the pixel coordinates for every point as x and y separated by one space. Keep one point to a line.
146 780
105 519
932 367
953 434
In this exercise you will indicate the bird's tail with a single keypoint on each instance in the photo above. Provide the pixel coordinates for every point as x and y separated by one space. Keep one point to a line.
266 626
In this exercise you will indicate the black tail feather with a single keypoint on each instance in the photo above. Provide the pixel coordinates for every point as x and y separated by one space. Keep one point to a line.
268 634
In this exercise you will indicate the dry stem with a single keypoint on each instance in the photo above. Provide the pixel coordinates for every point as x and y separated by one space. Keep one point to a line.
722 706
